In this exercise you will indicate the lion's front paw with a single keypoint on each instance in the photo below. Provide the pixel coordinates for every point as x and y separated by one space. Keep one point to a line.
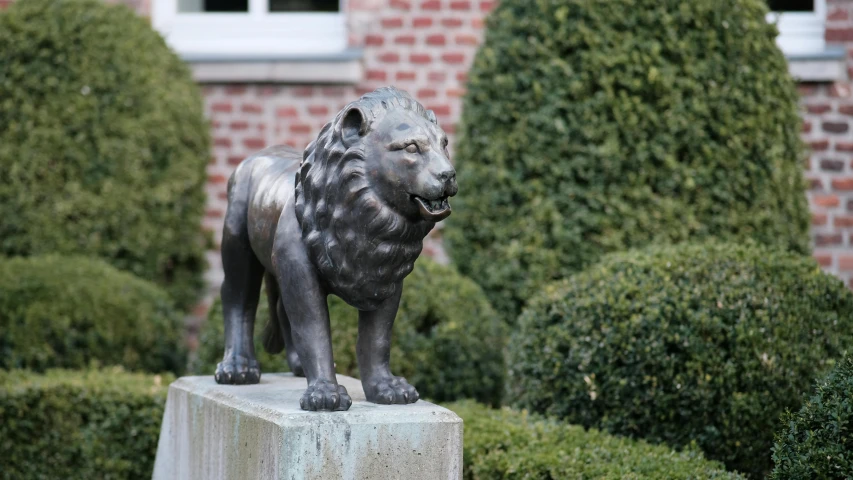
238 370
390 390
325 396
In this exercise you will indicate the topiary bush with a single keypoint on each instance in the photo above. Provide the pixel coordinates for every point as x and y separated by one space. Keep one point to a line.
80 425
506 444
103 144
708 343
70 312
448 342
817 441
593 127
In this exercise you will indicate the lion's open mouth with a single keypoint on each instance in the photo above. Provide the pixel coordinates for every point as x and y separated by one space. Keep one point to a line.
433 210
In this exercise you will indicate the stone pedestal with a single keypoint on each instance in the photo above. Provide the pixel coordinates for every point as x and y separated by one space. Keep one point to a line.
244 432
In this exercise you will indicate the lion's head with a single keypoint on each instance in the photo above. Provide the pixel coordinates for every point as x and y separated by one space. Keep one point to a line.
369 189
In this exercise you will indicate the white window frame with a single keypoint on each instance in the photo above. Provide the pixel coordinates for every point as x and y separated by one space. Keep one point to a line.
256 34
801 32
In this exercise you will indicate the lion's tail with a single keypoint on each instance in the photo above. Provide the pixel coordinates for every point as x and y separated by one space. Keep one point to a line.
272 337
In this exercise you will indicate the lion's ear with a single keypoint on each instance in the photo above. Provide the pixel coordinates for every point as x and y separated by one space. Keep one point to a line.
353 126
431 117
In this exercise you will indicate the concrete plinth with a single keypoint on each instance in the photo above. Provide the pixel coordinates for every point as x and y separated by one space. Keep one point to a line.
226 432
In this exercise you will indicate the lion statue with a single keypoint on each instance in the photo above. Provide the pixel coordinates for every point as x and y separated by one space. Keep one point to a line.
348 219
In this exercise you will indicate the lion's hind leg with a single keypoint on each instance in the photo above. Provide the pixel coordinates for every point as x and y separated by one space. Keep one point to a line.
277 335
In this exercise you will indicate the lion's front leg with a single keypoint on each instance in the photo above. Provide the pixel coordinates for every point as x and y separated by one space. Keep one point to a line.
374 353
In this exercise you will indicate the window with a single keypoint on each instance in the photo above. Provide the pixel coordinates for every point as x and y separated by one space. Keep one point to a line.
801 25
251 29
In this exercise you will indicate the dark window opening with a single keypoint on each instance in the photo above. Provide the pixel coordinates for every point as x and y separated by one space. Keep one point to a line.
791 5
226 5
304 5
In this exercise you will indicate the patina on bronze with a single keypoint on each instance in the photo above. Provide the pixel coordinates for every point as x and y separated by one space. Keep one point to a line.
348 220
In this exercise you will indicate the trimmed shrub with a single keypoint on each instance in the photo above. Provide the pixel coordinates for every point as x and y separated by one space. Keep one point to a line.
448 342
593 127
817 441
103 144
707 343
70 312
506 444
80 425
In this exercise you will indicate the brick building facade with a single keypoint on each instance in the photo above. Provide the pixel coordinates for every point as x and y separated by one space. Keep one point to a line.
426 47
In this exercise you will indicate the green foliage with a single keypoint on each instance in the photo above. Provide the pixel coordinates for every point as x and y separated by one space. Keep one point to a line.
507 445
70 312
103 144
817 441
448 342
80 425
597 126
707 343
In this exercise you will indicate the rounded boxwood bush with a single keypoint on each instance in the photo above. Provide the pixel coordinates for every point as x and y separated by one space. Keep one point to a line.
513 445
448 341
817 441
70 312
593 127
92 424
709 342
103 143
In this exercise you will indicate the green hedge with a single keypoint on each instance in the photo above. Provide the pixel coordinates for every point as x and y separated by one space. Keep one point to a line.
448 342
710 343
103 144
80 425
69 312
817 441
596 126
508 445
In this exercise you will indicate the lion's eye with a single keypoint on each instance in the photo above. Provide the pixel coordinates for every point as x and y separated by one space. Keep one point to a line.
412 148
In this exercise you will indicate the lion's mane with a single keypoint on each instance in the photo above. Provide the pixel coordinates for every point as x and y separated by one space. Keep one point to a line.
361 259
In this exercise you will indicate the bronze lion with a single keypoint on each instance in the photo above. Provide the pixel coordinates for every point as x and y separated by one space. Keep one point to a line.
348 220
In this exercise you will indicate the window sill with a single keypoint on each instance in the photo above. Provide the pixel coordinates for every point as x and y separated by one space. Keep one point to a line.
338 68
828 65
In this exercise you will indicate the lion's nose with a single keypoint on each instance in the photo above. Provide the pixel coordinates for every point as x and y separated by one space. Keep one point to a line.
448 178
447 175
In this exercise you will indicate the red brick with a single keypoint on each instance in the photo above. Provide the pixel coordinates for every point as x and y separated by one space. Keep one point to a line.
825 240
406 76
451 22
422 22
440 110
843 221
835 127
222 142
437 39
221 107
254 143
401 4
216 178
463 39
214 213
818 108
437 76
806 89
235 90
252 108
839 90
333 91
269 90
823 259
455 92
426 93
818 219
845 263
819 145
846 109
394 22
286 112
842 183
304 91
431 5
378 75
238 125
404 40
420 58
826 200
374 40
487 6
453 58
835 34
478 23
389 57
837 14
460 5
300 128
831 165
318 110
844 146
462 77
234 160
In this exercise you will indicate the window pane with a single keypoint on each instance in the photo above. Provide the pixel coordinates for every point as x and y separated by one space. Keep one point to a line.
303 5
791 5
196 6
